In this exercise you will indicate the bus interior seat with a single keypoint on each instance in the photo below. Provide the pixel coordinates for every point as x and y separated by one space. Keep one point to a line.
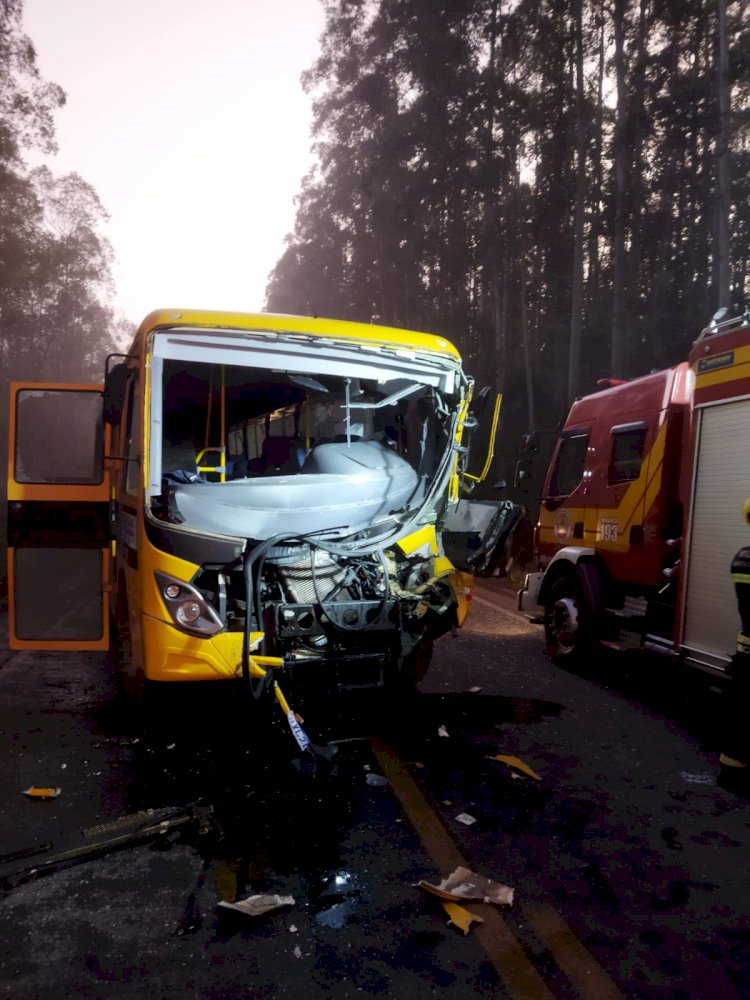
278 457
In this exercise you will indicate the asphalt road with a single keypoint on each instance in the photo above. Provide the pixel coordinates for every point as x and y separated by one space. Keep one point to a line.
628 861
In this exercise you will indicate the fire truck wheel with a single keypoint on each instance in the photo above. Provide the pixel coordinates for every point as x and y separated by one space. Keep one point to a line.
567 622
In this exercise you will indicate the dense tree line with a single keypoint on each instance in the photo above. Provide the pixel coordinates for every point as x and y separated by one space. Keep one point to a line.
56 317
541 181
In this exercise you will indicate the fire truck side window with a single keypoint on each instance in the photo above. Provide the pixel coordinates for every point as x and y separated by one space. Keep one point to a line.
627 454
569 463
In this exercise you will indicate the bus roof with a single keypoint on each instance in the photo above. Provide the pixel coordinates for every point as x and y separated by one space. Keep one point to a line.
308 325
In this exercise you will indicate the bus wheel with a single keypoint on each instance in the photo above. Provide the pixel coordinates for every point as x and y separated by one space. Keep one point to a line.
131 681
568 630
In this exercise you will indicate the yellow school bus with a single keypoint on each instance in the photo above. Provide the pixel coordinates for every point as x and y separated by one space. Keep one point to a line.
245 491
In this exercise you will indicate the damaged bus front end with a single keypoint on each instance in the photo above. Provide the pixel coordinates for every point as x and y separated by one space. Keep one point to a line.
299 472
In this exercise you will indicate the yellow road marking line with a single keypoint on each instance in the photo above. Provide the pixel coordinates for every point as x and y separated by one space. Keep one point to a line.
586 975
518 974
513 967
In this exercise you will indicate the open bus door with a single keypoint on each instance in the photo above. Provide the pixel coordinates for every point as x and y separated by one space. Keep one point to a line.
58 518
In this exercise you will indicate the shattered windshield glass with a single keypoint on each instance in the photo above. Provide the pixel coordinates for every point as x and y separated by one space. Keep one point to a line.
308 442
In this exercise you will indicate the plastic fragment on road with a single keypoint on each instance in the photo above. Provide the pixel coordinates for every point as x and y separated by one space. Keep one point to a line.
256 906
474 690
297 951
702 778
442 731
466 818
35 792
464 884
459 917
516 763
376 780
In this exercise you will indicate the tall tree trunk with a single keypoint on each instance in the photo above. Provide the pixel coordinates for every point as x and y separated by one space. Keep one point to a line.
576 302
722 166
619 270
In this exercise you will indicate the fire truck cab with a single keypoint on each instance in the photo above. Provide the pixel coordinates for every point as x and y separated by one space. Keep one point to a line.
642 510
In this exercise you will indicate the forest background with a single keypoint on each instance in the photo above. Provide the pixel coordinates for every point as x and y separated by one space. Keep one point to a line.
560 187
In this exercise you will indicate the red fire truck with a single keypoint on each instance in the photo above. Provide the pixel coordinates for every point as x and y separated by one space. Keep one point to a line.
643 508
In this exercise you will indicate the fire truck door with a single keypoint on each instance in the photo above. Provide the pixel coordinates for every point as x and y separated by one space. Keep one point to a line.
58 525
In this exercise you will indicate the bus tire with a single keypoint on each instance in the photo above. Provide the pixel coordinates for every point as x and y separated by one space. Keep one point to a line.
568 623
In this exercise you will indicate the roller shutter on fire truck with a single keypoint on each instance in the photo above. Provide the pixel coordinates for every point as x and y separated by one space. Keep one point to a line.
718 530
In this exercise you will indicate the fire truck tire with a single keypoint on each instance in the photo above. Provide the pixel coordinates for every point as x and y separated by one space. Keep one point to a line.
568 628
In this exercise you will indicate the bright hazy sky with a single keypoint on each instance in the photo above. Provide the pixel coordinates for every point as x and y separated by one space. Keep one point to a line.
189 120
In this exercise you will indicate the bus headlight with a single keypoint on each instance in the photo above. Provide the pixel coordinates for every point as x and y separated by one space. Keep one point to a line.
189 610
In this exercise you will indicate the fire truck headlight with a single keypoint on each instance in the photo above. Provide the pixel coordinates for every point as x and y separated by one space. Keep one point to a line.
187 607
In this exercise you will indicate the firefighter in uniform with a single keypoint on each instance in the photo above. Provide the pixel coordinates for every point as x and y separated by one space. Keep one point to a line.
735 755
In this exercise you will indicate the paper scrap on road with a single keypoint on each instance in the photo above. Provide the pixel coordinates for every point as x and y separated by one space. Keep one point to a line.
466 884
256 906
517 764
442 731
466 819
460 917
34 792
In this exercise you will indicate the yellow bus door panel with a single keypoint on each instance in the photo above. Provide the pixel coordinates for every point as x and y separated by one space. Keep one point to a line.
58 519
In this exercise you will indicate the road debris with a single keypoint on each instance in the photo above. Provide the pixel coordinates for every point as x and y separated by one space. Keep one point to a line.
466 819
297 951
459 917
104 838
376 780
474 690
35 792
256 906
514 762
702 778
442 731
464 884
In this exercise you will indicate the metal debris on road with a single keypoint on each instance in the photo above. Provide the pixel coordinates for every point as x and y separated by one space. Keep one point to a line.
515 763
464 884
466 819
35 792
256 906
459 917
